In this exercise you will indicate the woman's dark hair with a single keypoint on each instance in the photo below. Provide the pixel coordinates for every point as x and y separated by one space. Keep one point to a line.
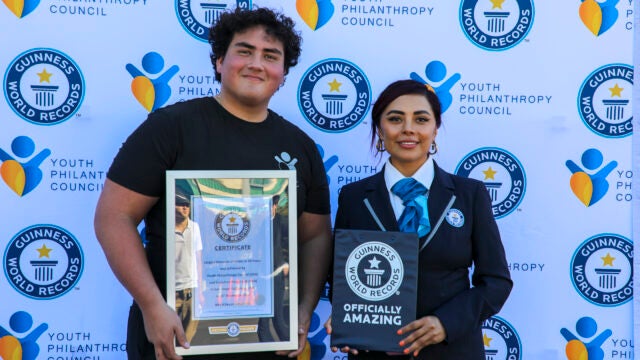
394 91
276 24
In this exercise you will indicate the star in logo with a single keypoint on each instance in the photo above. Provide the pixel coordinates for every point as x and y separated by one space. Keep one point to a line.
607 260
489 173
486 340
497 4
616 90
44 251
232 219
334 85
44 76
374 263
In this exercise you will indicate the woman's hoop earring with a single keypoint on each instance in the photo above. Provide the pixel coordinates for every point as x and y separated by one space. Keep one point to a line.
433 149
380 146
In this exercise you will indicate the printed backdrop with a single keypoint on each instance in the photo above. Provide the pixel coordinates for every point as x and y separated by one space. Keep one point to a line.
537 104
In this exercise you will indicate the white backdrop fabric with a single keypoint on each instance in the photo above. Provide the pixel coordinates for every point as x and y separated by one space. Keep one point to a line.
538 105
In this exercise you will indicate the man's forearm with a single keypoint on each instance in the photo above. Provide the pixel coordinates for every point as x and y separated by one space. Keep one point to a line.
125 255
118 213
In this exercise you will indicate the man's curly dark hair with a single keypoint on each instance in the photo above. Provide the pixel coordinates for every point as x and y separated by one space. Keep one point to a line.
276 24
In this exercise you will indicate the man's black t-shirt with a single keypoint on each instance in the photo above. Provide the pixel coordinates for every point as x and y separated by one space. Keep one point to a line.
200 134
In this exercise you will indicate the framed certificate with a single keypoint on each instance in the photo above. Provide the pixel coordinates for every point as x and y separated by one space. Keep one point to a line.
232 259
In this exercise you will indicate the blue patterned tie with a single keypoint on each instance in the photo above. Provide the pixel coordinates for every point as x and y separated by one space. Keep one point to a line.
415 217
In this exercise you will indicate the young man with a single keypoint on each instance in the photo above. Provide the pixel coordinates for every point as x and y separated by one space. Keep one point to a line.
252 51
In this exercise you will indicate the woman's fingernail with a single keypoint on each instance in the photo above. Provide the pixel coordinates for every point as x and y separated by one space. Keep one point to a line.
402 343
406 351
399 332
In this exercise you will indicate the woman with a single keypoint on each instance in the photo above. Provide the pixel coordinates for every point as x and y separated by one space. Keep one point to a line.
450 311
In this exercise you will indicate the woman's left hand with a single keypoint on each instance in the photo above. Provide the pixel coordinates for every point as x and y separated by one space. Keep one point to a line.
422 332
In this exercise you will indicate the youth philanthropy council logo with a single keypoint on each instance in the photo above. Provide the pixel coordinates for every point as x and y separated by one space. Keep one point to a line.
588 340
22 8
21 337
44 86
150 86
602 270
598 17
502 174
43 262
232 224
315 13
501 341
604 101
197 16
20 169
496 25
589 178
334 95
374 271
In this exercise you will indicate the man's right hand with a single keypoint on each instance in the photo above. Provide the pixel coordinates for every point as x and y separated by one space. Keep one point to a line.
162 324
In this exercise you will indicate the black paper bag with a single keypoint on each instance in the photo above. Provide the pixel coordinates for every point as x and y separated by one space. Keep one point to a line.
374 288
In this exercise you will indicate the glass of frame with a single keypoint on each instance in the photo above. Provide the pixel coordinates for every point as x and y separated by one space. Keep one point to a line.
231 259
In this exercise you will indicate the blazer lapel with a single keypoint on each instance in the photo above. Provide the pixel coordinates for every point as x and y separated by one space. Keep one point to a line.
439 194
377 194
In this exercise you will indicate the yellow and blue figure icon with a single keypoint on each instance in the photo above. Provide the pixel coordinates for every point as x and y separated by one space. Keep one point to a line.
151 93
590 188
576 349
25 348
21 8
315 13
436 71
22 177
598 17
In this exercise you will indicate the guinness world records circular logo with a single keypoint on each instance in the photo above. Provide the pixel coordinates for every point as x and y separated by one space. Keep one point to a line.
502 174
44 86
604 101
501 340
496 27
232 224
602 270
196 17
233 329
334 95
374 271
43 262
